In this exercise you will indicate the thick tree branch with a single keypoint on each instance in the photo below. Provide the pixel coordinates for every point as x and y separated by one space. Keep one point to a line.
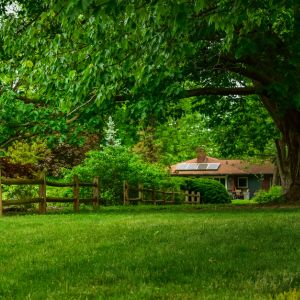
205 91
249 67
35 102
251 73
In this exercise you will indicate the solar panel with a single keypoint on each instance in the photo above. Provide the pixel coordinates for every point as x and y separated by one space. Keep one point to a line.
181 167
192 166
202 167
197 166
186 167
213 166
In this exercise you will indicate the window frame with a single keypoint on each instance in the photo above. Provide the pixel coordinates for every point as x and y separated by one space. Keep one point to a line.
217 178
245 186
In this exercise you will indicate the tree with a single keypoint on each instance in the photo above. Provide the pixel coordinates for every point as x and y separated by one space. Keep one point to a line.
178 138
111 134
150 53
240 127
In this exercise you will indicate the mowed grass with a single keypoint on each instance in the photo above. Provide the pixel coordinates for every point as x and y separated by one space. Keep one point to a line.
152 253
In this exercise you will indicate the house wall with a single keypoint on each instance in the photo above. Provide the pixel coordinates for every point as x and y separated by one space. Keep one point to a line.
254 184
267 182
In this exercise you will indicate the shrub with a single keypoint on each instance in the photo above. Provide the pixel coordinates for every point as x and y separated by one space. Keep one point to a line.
28 153
275 194
113 165
12 170
211 191
20 192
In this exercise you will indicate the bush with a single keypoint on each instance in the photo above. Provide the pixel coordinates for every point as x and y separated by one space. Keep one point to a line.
211 191
275 194
20 192
113 165
28 153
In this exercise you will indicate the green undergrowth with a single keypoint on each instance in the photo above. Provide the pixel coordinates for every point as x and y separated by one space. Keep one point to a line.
147 252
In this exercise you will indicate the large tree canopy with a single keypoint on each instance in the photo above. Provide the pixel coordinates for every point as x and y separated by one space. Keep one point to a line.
85 56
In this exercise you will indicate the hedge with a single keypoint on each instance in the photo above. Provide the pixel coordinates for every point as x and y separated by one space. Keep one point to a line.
211 191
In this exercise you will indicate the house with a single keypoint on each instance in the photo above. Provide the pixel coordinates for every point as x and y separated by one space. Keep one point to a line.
241 178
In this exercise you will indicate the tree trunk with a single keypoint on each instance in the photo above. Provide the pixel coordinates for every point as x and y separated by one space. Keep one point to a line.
290 128
288 149
282 164
276 175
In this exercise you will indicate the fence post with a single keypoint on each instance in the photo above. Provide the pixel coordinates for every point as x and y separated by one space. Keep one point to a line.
42 194
125 192
173 196
1 205
198 198
154 197
141 192
186 196
164 196
193 197
76 193
96 191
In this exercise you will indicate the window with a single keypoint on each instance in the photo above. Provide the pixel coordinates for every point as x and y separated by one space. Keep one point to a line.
243 182
221 180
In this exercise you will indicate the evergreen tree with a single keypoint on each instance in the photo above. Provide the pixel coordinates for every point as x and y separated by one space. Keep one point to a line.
111 134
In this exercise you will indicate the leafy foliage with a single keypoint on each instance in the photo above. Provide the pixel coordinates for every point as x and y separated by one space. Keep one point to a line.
134 48
211 191
12 170
65 156
29 159
113 165
275 194
20 192
28 153
72 60
239 127
178 138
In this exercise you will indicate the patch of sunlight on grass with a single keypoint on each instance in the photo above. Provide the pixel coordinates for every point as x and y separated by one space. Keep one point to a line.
243 202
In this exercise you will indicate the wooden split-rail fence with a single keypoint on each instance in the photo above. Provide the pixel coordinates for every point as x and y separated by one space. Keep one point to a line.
154 196
42 200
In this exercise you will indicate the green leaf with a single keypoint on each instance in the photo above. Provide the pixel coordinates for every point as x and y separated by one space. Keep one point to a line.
199 5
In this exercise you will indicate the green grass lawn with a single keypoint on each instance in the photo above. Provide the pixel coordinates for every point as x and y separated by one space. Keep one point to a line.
243 202
152 253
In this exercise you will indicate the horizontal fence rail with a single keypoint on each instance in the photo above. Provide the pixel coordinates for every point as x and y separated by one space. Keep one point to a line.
42 200
10 181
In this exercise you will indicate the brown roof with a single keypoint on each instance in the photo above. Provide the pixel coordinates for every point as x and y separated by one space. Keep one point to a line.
227 167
